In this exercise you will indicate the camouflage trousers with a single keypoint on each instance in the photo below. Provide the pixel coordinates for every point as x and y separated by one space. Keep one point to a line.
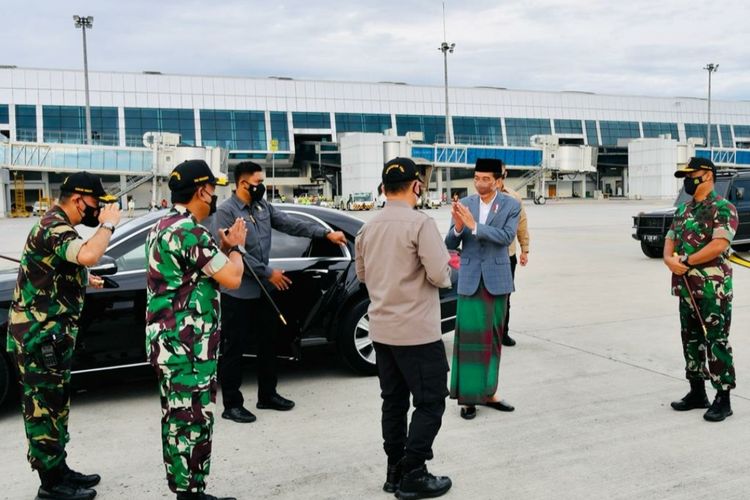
45 400
717 316
188 397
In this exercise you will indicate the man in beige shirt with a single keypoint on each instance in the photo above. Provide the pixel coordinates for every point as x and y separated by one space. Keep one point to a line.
522 235
401 258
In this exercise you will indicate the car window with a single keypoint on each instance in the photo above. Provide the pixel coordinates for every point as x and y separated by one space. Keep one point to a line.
132 260
286 246
740 184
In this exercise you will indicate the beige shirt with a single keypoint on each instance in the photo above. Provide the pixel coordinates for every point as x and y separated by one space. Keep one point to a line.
522 233
402 259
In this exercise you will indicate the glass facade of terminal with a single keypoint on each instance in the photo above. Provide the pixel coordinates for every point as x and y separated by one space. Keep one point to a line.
433 127
311 120
520 130
67 124
699 130
612 131
655 129
362 122
138 121
474 130
280 129
4 114
237 130
568 127
26 122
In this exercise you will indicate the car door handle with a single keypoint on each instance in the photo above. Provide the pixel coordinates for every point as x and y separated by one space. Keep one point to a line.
316 271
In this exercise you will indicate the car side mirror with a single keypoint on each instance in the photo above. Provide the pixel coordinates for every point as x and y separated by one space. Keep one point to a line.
105 267
739 193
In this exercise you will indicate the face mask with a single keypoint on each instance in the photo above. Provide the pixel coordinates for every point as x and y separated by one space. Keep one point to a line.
256 192
691 184
211 204
90 215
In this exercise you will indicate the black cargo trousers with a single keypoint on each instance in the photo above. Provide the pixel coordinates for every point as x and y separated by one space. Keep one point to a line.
419 371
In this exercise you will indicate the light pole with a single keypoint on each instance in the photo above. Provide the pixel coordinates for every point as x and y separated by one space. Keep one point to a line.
446 47
84 22
711 68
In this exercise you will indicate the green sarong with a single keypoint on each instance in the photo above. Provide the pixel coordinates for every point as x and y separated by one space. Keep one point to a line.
476 346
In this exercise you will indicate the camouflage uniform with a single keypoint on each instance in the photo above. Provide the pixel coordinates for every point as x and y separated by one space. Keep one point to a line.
47 303
182 337
695 224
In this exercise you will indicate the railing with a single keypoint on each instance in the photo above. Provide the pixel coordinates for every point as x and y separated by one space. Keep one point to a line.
75 157
474 140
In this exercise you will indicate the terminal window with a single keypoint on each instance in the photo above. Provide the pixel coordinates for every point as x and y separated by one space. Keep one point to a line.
726 136
67 124
568 127
4 114
613 130
520 130
433 127
477 130
362 122
26 122
233 129
280 129
591 136
655 129
699 130
311 120
138 121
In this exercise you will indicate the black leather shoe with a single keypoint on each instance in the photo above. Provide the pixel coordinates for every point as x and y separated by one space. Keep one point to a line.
720 408
239 414
65 491
501 405
696 398
81 480
275 402
393 476
421 484
468 412
183 495
508 341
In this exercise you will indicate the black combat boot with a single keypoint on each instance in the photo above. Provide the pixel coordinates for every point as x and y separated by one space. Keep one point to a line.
419 483
696 398
393 476
720 408
77 479
54 487
186 495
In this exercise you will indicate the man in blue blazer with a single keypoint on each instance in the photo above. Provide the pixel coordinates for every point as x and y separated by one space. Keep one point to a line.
484 225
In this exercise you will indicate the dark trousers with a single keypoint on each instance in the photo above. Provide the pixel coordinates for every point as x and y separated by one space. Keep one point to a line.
241 320
420 371
513 262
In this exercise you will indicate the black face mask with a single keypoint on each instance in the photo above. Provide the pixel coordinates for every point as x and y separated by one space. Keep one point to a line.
691 184
90 216
212 204
256 192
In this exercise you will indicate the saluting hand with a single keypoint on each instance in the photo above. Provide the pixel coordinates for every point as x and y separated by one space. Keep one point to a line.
337 237
109 213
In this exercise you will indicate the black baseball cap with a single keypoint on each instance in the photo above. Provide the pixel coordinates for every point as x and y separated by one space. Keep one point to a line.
192 173
694 165
88 184
400 170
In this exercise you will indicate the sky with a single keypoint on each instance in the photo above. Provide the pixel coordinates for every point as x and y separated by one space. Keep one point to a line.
630 47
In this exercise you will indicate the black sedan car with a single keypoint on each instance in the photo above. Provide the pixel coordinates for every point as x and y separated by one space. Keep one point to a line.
326 303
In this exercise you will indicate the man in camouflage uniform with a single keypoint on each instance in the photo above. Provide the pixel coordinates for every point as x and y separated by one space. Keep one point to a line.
185 269
43 325
696 251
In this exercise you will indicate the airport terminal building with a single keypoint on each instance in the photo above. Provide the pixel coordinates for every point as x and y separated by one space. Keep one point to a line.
295 127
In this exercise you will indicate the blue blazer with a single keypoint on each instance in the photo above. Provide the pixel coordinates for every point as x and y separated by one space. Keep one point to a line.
485 255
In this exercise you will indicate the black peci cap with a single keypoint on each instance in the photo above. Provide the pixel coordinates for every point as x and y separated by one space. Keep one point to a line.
192 173
694 165
400 170
88 184
489 165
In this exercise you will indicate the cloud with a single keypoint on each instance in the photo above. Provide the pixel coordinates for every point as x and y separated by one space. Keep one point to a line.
637 47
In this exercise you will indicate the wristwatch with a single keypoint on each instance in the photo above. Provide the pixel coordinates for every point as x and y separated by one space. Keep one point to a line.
108 225
237 248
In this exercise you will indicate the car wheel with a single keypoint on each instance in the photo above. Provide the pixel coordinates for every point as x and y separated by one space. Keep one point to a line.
354 342
5 378
651 251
